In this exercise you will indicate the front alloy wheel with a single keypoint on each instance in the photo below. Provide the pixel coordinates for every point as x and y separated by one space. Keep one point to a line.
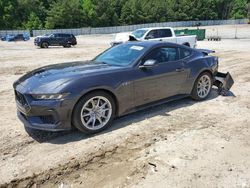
94 112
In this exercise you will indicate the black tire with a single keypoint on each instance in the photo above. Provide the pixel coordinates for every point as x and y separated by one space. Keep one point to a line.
76 116
44 45
194 93
67 46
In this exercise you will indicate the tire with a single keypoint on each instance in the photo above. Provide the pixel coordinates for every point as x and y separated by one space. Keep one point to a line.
67 46
44 45
202 86
88 119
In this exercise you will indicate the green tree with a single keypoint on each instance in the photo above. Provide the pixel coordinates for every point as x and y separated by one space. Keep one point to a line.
8 17
239 9
33 22
65 14
19 14
91 14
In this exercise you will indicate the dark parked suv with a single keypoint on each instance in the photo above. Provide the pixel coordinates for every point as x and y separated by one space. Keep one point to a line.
56 39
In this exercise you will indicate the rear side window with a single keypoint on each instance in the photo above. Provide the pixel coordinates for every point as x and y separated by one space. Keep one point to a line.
184 53
164 54
165 33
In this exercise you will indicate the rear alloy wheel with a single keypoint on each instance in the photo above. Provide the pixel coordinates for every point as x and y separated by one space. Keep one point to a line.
44 45
202 86
94 112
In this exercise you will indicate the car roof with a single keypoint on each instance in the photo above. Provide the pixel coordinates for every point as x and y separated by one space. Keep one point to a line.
151 44
148 28
63 33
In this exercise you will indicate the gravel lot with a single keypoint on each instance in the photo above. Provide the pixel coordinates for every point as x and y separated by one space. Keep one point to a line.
178 144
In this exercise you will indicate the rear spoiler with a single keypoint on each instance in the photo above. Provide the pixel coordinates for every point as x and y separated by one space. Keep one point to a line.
206 51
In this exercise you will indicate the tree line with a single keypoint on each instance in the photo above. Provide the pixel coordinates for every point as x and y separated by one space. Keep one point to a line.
55 14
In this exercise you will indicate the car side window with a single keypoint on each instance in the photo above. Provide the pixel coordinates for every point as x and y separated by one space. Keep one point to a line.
152 34
164 54
184 53
60 35
66 35
163 33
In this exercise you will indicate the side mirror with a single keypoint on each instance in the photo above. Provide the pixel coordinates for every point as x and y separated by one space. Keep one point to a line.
148 64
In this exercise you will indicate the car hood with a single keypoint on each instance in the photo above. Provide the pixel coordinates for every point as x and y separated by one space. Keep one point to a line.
52 78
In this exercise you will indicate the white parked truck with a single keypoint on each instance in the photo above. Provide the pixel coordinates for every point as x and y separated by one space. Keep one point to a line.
166 34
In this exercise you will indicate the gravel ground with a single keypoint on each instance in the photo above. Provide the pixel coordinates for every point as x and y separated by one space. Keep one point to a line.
178 144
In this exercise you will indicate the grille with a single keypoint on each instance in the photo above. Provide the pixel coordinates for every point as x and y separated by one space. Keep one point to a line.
21 99
49 119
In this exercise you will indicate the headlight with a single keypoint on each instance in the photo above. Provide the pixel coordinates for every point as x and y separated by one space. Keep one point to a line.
49 96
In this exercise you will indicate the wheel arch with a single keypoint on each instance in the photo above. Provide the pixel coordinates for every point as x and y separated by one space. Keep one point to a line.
96 90
44 41
201 72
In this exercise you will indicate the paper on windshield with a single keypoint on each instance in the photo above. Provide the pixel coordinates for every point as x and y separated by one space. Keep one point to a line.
139 48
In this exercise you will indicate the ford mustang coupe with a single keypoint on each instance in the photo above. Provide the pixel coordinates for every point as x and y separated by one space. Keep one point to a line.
125 78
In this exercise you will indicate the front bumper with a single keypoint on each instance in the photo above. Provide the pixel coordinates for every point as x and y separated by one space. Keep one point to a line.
38 125
37 43
49 115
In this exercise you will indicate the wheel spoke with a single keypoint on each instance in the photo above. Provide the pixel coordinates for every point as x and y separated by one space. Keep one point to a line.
93 103
90 119
88 109
103 105
98 102
105 109
104 116
100 120
85 115
93 122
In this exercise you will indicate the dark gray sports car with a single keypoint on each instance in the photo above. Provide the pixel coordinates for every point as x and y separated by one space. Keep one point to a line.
123 79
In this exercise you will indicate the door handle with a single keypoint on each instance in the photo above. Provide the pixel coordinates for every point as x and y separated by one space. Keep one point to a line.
179 70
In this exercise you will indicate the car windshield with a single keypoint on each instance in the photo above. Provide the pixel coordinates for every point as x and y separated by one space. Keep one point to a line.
139 33
121 55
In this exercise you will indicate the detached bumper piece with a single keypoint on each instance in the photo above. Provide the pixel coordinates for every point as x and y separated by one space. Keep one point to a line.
224 82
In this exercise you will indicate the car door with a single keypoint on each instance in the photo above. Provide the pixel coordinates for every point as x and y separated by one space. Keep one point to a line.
166 35
60 39
53 39
152 35
162 80
64 39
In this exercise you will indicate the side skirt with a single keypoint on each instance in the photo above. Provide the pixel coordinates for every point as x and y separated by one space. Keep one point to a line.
156 103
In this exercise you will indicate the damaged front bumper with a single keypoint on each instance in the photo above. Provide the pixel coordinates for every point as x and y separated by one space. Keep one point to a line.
224 82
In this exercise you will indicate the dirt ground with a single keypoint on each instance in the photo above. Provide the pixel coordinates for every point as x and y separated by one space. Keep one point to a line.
178 144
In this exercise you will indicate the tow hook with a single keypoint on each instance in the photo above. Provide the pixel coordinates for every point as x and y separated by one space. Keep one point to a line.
224 82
